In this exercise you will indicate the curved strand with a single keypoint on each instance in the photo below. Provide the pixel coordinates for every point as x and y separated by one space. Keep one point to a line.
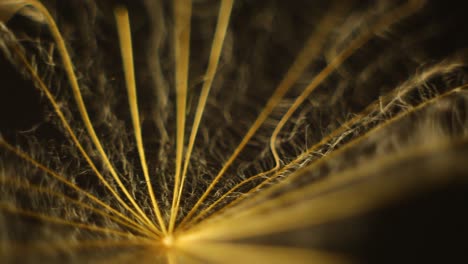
42 190
68 183
305 57
68 65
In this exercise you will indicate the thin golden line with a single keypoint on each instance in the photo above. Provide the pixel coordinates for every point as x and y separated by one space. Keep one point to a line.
182 16
387 20
366 135
326 139
125 38
217 45
319 203
399 92
68 65
203 212
9 9
67 127
307 54
341 150
62 179
333 204
61 221
38 189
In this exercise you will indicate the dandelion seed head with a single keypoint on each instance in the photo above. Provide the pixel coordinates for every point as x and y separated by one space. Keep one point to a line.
218 131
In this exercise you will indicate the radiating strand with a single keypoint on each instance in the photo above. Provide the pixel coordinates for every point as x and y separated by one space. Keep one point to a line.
308 53
386 21
61 221
9 9
343 128
348 193
68 65
68 183
361 138
72 134
217 45
125 38
38 189
182 17
243 208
